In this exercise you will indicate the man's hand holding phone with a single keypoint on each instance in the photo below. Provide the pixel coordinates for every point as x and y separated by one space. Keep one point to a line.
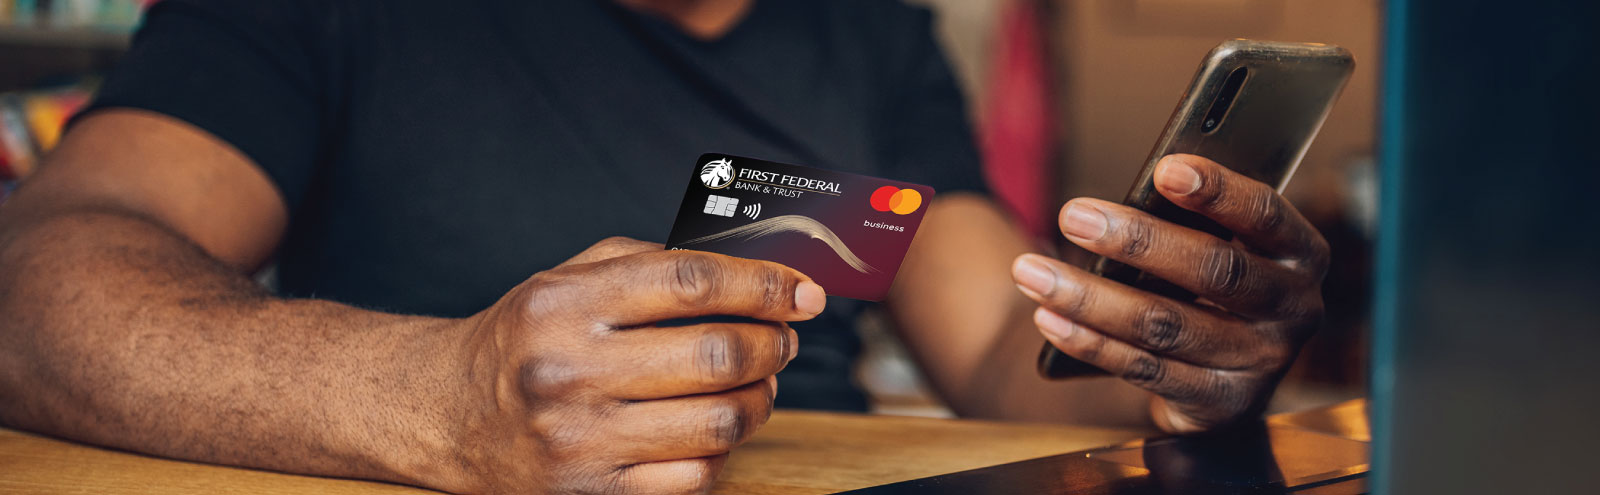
1211 362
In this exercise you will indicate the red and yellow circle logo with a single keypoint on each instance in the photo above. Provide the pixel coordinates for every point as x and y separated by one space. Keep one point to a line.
900 201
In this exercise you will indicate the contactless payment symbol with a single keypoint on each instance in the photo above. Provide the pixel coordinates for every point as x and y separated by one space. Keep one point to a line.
717 174
900 201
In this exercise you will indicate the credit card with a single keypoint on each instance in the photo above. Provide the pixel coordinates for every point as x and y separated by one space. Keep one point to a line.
847 232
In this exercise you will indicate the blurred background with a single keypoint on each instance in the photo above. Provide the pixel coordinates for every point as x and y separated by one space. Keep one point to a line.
1068 96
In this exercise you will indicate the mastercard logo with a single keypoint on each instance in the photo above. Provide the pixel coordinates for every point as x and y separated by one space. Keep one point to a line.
900 201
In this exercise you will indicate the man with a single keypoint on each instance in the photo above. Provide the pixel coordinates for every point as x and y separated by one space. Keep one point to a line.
401 158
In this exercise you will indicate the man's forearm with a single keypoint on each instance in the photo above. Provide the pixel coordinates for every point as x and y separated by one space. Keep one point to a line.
118 332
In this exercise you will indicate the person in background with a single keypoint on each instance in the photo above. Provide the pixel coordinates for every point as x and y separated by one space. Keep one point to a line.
454 195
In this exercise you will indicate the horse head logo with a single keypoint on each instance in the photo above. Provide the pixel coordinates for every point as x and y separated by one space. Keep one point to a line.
717 174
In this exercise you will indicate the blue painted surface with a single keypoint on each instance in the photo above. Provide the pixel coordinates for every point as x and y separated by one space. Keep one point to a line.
1387 251
1487 314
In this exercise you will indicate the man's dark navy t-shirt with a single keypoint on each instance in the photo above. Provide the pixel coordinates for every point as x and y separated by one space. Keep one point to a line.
435 154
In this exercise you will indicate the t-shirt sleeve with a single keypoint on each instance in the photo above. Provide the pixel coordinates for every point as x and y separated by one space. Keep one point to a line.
242 70
930 139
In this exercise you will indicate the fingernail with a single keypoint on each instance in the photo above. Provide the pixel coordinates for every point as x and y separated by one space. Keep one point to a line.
1178 178
1084 222
1053 325
1032 276
809 298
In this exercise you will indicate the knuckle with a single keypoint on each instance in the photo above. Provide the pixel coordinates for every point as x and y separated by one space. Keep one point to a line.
775 289
1190 392
693 279
611 246
618 480
786 342
1313 314
1137 237
1231 396
1319 257
1087 349
1269 212
544 294
1212 195
564 440
719 357
546 381
1073 303
1297 309
1144 370
1303 319
725 425
1223 270
700 479
1274 350
697 478
1275 358
1159 327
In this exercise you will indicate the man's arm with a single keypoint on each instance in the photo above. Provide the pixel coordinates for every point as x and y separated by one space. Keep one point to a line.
964 320
131 322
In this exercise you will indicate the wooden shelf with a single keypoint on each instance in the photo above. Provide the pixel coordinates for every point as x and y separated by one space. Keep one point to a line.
70 38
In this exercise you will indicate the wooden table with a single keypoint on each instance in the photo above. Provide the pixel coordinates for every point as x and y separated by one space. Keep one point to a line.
796 452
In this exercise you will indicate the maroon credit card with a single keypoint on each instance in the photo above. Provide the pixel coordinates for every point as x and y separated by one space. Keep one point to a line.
847 232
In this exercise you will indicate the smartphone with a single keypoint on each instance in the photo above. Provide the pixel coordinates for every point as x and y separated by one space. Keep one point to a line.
1254 107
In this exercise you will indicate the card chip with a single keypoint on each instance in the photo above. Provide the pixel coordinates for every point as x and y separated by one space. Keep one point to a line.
721 205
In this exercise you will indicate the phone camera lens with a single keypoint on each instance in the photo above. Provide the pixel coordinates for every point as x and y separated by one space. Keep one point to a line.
1224 100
